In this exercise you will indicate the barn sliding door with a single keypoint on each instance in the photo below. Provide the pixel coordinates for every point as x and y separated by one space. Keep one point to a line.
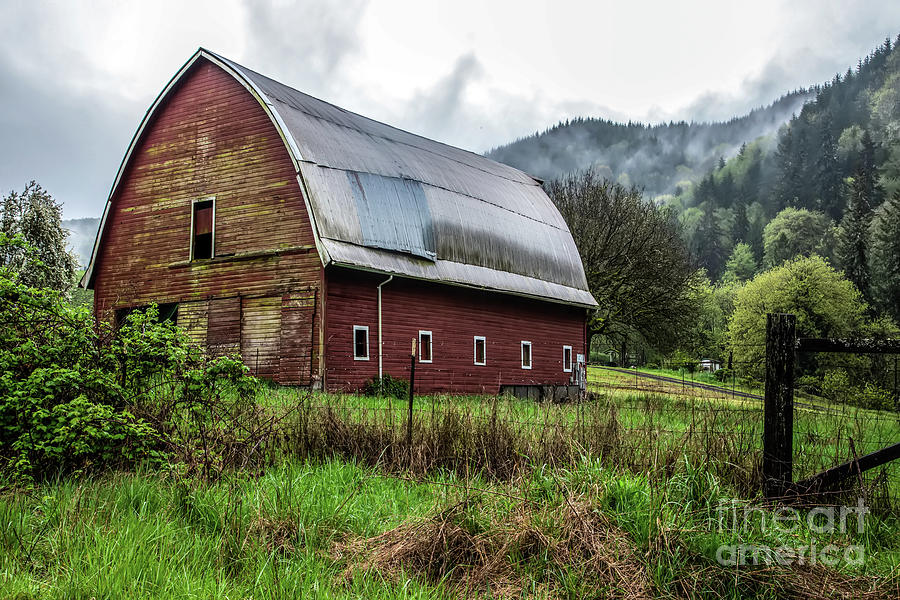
277 336
193 319
223 332
297 324
261 335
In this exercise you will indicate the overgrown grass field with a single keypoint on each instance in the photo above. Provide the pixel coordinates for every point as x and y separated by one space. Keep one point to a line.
642 424
337 529
619 496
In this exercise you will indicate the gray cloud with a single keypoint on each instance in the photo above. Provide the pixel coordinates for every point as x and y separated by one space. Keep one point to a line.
438 109
754 92
813 48
71 143
304 42
449 112
67 111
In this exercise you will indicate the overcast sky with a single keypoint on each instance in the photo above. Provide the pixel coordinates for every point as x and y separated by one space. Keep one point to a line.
77 77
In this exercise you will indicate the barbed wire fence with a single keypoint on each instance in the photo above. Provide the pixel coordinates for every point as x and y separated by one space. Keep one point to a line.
627 419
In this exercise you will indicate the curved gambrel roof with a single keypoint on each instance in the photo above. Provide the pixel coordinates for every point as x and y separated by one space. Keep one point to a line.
385 200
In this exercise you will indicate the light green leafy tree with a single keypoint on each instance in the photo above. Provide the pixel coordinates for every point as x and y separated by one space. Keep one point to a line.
797 232
741 265
825 302
707 337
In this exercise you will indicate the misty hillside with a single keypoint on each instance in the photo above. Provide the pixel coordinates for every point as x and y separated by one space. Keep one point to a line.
842 146
81 237
658 158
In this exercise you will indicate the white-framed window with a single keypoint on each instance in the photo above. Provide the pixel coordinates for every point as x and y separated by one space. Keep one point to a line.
480 350
567 359
360 342
425 349
203 228
526 355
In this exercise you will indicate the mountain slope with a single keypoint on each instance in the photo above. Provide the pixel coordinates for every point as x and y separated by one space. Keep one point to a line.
659 158
850 128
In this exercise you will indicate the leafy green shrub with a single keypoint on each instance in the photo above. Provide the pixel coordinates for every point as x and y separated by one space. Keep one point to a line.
681 360
386 386
810 384
722 375
836 385
60 404
874 397
81 432
75 395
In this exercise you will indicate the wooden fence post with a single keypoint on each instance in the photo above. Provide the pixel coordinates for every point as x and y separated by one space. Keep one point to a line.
778 426
412 384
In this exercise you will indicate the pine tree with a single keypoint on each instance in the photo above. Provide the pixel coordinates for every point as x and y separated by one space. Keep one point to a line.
789 168
853 251
868 170
755 238
752 179
741 225
726 191
800 180
827 176
711 251
885 256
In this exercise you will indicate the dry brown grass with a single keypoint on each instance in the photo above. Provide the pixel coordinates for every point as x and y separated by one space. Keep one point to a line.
274 534
524 553
526 549
818 582
651 434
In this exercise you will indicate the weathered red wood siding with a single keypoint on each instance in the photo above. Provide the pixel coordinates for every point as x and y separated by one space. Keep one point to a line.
212 138
454 316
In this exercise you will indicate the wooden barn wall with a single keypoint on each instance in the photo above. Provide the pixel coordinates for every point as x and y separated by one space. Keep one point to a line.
454 316
212 138
193 318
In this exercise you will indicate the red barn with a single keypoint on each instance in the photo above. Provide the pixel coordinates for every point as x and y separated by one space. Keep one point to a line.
317 243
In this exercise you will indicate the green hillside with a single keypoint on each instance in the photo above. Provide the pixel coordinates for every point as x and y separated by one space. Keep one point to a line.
835 165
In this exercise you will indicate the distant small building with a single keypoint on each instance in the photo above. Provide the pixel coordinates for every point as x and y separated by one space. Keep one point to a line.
710 365
317 243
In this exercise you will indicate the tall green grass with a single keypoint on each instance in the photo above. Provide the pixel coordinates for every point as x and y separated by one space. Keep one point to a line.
323 529
149 536
490 495
636 430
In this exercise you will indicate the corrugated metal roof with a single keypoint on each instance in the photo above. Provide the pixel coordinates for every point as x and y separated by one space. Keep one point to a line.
374 187
387 200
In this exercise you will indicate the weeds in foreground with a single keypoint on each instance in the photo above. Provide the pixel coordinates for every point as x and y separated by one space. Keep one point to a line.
500 438
338 529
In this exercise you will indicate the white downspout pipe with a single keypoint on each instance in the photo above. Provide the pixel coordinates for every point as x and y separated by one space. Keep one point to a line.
380 362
